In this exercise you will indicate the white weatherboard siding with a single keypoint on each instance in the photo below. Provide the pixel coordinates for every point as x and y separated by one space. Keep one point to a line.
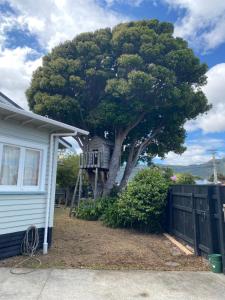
18 210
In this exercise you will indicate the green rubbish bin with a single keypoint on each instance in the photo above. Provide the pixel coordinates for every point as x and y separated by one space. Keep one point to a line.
215 261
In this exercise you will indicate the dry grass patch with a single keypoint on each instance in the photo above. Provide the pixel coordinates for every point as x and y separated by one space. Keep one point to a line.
89 244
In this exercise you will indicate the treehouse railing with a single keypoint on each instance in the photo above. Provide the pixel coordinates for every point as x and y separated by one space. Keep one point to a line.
92 159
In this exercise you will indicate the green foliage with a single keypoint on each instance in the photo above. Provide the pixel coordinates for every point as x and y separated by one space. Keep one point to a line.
111 216
104 203
167 173
103 81
67 171
87 210
94 210
142 204
185 178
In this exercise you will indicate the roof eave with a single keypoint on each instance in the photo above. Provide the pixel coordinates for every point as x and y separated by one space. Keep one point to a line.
59 126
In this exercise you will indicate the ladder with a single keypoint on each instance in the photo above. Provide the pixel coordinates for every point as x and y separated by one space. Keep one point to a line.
78 183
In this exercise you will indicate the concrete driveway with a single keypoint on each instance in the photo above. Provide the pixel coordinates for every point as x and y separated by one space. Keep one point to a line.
107 285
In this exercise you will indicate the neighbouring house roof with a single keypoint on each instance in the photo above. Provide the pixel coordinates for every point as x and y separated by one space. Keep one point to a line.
26 117
64 144
6 100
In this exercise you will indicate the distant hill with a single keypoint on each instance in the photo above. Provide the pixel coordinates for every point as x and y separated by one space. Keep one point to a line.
204 170
134 172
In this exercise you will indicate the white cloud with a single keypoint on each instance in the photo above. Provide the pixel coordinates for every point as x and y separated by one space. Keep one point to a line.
129 2
52 22
202 22
214 121
16 72
197 152
193 155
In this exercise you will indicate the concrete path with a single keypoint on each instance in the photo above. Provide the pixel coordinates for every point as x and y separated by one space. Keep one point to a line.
111 285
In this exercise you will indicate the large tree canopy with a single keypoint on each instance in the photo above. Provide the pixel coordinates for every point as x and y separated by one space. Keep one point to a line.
136 82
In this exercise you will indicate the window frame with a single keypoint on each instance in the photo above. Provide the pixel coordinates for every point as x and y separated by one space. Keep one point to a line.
25 145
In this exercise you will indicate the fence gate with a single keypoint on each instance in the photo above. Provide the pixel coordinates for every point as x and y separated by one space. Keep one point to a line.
196 215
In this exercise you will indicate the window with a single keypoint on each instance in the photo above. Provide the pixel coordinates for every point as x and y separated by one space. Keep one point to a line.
31 167
9 165
22 168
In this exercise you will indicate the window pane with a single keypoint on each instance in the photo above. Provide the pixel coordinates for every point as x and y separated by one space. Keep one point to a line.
31 167
9 165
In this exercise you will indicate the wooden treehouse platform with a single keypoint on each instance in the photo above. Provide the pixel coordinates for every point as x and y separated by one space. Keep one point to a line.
94 159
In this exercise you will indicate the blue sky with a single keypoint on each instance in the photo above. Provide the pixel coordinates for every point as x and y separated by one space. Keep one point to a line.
29 29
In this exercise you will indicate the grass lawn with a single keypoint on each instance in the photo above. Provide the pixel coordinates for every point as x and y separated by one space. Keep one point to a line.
88 244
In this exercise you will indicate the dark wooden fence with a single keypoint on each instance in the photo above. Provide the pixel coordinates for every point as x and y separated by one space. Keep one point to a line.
196 215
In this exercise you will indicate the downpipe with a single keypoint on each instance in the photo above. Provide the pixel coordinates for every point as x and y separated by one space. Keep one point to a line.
53 137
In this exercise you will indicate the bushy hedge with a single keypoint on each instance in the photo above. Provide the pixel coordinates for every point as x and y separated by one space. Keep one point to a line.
141 205
185 178
93 210
87 210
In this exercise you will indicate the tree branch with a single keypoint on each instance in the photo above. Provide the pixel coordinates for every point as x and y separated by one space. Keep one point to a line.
78 140
148 140
134 155
129 128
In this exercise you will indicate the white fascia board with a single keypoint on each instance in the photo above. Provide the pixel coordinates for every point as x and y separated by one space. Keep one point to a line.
45 120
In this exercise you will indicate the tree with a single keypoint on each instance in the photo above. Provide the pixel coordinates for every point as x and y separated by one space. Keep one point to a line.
167 173
67 171
185 178
136 82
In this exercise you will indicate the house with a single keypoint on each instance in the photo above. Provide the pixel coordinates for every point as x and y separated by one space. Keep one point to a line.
28 163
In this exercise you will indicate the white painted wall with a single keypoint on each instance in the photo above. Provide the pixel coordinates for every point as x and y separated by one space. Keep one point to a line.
20 210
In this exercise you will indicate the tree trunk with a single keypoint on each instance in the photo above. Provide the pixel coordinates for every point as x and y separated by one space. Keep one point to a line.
131 163
132 160
128 168
114 164
67 197
127 172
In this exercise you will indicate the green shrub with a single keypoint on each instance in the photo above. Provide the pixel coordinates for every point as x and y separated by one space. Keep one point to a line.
104 203
87 210
111 216
185 178
142 204
92 210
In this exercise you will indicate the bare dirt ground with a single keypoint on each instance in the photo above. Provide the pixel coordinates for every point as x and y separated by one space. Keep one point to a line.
89 244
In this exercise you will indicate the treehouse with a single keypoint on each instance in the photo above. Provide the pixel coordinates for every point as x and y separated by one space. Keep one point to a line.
97 154
95 161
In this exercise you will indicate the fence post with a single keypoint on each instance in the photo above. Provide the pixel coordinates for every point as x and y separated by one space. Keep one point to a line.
195 227
171 210
210 219
221 225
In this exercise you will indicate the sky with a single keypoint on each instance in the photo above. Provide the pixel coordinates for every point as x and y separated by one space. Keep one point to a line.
31 28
